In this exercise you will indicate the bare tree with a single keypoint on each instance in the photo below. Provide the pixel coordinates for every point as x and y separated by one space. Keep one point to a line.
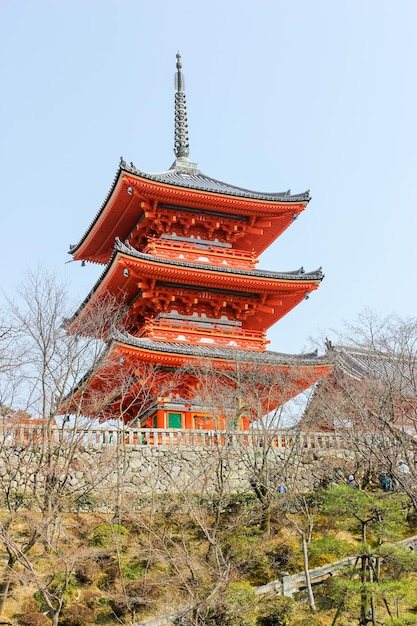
43 466
270 452
370 400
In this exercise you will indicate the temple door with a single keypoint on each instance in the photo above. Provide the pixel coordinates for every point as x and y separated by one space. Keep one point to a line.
174 420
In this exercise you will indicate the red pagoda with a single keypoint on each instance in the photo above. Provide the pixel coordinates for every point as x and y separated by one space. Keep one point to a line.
180 251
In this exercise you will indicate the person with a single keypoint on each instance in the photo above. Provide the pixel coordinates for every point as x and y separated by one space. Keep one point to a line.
386 482
403 467
352 482
281 489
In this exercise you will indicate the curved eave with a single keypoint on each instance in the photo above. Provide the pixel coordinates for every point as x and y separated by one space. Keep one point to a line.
183 353
120 210
222 273
307 368
194 179
140 265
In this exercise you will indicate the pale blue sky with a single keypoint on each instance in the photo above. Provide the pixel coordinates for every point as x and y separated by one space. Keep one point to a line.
300 94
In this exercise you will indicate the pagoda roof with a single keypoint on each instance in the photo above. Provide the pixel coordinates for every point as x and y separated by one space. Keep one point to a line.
199 272
298 274
190 177
128 350
185 186
224 354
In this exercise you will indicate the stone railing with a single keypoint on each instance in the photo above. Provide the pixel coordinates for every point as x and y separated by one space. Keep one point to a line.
155 437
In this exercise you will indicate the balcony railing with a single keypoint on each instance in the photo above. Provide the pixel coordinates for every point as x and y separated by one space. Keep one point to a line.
156 437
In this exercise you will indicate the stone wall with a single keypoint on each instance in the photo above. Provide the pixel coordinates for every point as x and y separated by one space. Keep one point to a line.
146 469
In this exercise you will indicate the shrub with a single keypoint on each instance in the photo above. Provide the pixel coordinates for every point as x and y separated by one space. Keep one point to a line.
33 618
119 606
398 561
59 585
240 609
284 557
77 615
335 591
104 535
235 607
328 549
87 571
136 598
134 568
30 606
108 577
275 611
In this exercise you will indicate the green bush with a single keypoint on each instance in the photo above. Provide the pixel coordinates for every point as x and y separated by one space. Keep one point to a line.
104 535
236 607
275 611
333 591
397 560
240 609
328 549
59 585
284 557
133 569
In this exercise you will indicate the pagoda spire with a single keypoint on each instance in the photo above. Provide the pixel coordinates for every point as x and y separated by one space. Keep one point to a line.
181 143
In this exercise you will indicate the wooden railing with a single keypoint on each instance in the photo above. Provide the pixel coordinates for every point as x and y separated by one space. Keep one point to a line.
155 437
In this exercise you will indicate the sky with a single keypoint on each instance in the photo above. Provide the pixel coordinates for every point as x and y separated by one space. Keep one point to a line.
300 94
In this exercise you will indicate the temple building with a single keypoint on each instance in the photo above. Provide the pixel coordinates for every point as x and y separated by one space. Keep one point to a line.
180 253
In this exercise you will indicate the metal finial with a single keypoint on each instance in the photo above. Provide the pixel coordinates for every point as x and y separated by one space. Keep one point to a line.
179 81
181 144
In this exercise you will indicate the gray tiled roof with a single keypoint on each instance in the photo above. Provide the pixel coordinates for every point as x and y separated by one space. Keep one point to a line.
299 274
193 178
206 351
391 368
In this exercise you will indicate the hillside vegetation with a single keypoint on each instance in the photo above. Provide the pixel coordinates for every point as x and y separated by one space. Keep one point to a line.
204 558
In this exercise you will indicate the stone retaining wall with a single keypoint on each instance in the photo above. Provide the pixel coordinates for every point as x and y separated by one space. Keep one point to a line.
146 469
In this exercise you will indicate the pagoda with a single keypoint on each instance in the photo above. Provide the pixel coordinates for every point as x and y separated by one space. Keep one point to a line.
180 251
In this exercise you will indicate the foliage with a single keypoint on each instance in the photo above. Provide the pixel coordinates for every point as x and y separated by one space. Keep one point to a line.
275 611
236 606
240 609
31 614
62 583
77 615
247 552
397 561
104 535
327 549
87 571
335 591
382 513
284 556
34 618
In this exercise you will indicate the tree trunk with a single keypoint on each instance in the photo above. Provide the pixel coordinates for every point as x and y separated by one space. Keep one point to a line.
311 600
266 518
364 596
5 584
